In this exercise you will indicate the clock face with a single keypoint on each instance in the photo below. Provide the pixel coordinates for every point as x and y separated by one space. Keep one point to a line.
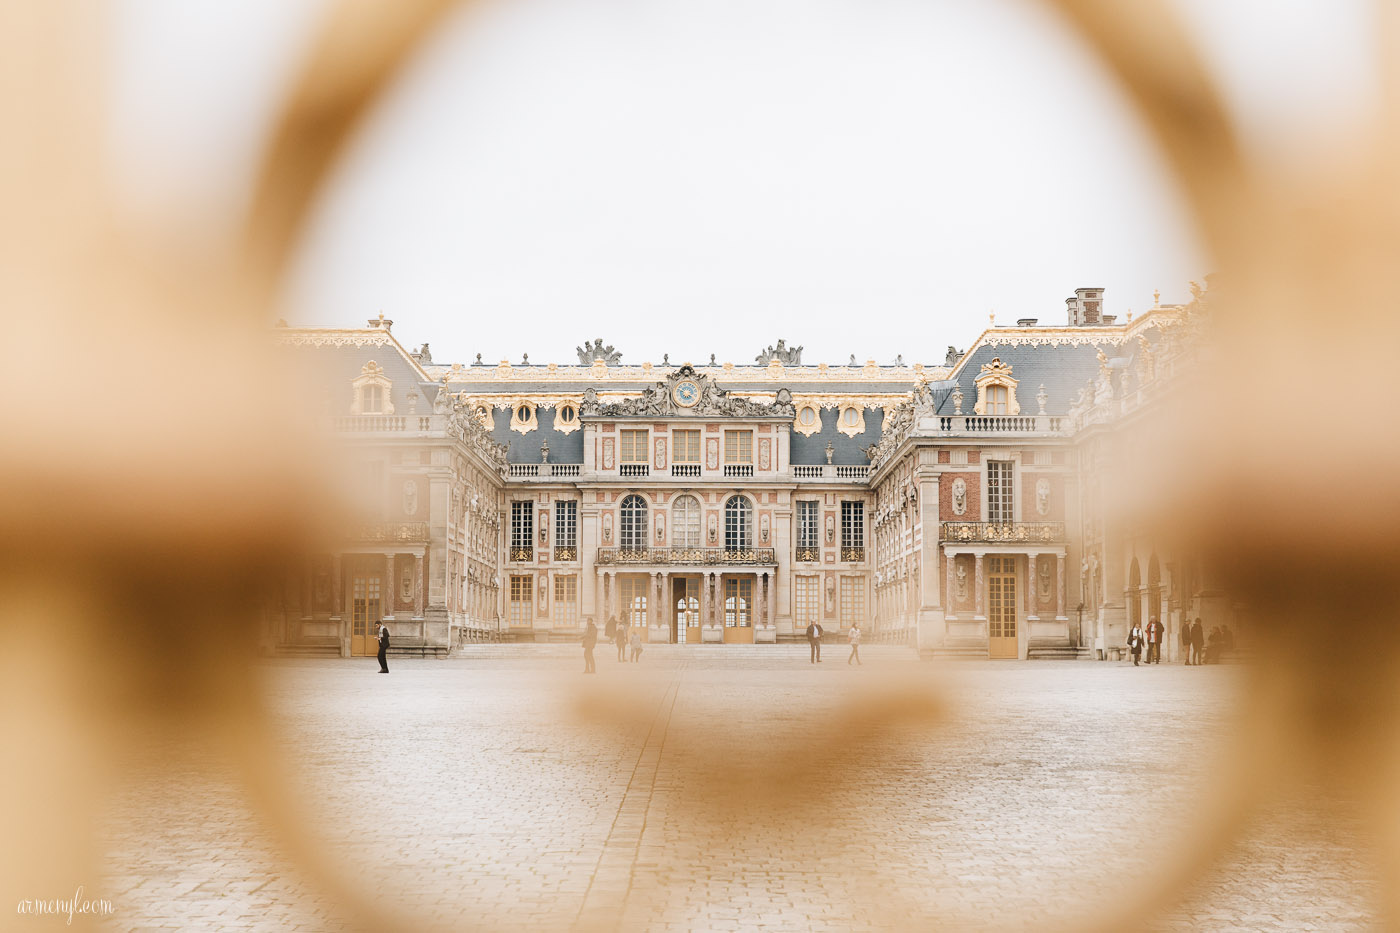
686 393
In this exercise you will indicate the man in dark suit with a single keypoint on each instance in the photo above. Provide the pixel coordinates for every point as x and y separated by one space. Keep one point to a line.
590 638
383 648
814 638
1198 642
1154 642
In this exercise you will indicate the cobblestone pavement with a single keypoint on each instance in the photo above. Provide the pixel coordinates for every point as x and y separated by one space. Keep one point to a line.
726 793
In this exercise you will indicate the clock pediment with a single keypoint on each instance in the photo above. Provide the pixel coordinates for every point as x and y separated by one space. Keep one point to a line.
687 392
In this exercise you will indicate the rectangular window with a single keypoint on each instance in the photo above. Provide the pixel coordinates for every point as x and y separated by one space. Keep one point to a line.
738 447
522 530
806 593
566 601
522 600
999 491
566 529
634 447
852 530
685 446
372 399
852 601
738 602
808 530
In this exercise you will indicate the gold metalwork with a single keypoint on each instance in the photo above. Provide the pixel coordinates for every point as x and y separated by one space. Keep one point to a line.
806 554
1005 532
565 552
852 553
522 553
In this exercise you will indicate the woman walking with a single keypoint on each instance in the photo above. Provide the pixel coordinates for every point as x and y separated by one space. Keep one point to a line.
1135 643
855 644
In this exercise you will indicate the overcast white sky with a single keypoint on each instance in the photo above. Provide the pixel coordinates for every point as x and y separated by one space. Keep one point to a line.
706 176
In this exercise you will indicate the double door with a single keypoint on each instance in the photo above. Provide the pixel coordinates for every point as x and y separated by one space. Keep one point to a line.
685 610
366 611
1001 607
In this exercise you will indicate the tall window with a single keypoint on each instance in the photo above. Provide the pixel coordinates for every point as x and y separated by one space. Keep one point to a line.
738 447
999 491
852 530
806 596
685 446
566 601
522 600
995 403
738 598
634 459
852 601
632 536
685 522
808 532
371 399
633 593
738 524
566 529
522 530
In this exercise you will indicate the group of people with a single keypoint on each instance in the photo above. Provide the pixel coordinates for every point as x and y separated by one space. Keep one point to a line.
621 633
1194 647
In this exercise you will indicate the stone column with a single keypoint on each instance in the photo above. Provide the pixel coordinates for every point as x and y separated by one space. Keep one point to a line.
665 611
772 603
952 559
418 562
391 566
1060 587
337 587
600 606
979 595
653 617
1032 597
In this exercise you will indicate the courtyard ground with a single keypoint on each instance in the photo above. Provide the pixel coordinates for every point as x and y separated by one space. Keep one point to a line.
726 789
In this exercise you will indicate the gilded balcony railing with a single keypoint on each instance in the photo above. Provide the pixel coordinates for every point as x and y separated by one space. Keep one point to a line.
392 531
710 556
807 554
565 552
1005 532
522 553
853 553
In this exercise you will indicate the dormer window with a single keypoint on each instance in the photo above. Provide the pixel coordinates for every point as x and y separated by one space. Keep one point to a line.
996 390
522 417
371 391
996 400
566 418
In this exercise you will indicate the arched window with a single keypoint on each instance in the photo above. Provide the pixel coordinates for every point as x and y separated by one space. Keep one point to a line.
738 524
996 400
685 522
633 534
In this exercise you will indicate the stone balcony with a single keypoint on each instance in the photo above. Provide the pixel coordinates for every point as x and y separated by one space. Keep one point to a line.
390 532
983 425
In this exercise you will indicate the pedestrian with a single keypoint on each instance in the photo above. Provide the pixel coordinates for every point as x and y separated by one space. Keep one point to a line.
1135 643
814 638
1198 641
1186 640
620 638
611 629
855 644
636 645
1154 642
1215 646
383 648
590 638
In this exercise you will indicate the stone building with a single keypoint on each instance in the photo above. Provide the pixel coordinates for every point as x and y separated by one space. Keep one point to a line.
944 506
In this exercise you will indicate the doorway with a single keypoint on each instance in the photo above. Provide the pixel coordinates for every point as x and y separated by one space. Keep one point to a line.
365 614
1001 607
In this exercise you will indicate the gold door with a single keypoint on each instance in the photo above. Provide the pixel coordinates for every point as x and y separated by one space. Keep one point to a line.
685 628
364 615
1001 607
738 610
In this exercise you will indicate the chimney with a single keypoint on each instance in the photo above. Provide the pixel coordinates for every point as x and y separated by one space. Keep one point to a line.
1026 321
1086 307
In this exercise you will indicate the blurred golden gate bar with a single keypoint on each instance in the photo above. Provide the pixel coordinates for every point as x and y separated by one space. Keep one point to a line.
145 512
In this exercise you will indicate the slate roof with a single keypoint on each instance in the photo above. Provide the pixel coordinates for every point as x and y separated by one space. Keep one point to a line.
1063 370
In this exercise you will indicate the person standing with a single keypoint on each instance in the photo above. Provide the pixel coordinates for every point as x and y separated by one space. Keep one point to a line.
855 644
1198 642
1135 643
1154 642
590 638
1186 640
636 642
621 640
383 648
814 639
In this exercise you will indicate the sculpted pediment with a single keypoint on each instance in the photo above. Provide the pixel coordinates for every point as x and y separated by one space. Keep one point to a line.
687 393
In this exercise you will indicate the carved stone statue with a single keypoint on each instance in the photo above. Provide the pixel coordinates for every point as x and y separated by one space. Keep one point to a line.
1042 574
961 576
1041 398
423 356
954 354
959 496
830 450
442 402
957 400
410 497
1042 496
596 351
781 353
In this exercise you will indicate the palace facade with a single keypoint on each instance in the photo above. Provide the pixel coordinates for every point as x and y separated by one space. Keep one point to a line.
955 506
